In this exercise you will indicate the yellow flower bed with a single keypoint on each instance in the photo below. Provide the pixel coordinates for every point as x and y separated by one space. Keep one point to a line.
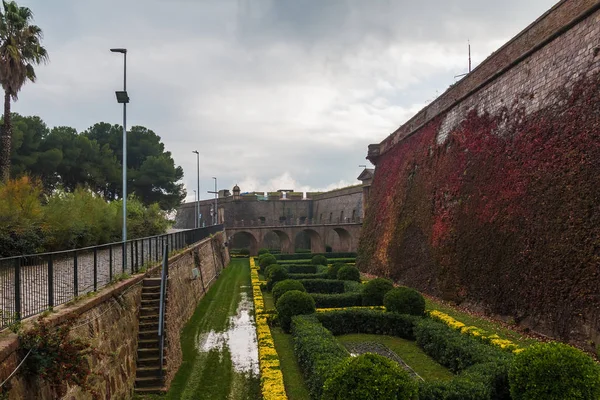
475 331
271 378
382 308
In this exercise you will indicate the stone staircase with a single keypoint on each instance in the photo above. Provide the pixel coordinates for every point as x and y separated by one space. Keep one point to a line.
148 379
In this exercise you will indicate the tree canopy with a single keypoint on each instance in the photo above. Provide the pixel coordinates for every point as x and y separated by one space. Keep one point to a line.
63 158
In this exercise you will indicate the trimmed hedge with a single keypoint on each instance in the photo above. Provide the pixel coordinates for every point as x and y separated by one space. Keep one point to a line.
293 303
343 322
351 286
404 300
323 285
370 377
301 268
554 371
452 349
276 274
265 260
317 351
322 275
349 273
319 260
308 256
455 389
285 286
323 300
345 260
375 290
333 269
263 251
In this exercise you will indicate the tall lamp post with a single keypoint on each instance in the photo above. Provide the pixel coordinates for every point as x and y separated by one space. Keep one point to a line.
198 177
216 209
123 98
195 206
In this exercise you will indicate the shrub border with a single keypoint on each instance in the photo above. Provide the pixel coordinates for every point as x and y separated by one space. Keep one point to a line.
271 377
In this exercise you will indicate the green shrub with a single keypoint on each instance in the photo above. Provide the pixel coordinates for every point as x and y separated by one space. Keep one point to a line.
374 291
352 286
244 252
319 260
404 300
265 260
317 352
349 273
343 322
554 371
323 285
293 303
369 377
333 269
276 274
337 300
452 349
494 377
301 268
309 276
263 251
285 286
455 389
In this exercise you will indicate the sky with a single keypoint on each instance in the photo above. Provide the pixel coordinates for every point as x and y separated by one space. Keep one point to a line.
274 94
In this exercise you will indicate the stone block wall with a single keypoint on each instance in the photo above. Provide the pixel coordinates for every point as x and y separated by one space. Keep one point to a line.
488 196
109 321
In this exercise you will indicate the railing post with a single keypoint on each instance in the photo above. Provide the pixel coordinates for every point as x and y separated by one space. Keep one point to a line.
124 254
131 249
150 250
18 288
50 281
95 269
137 261
142 253
110 264
75 276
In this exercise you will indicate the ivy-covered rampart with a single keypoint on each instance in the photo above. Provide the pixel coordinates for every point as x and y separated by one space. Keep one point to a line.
504 213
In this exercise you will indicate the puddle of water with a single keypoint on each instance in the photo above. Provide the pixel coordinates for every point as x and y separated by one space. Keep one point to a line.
240 338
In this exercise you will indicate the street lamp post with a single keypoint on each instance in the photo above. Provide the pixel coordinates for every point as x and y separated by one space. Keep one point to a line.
123 98
195 206
216 209
198 182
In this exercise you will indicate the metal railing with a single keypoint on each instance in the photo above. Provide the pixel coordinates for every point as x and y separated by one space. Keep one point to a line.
161 313
31 284
293 222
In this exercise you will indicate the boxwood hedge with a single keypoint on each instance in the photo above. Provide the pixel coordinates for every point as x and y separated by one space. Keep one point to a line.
323 285
309 256
323 300
343 322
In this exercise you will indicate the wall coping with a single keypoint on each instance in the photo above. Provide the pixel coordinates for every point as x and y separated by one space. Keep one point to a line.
510 54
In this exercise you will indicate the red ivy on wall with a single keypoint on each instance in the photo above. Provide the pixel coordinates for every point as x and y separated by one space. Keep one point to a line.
505 213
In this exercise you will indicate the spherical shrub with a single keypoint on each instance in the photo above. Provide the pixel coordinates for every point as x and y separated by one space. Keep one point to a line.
263 251
370 376
404 300
349 273
282 287
267 271
293 303
553 371
319 260
374 291
277 273
265 260
333 269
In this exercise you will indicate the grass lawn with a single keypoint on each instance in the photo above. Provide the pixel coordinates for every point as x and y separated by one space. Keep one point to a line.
498 328
211 374
292 377
408 351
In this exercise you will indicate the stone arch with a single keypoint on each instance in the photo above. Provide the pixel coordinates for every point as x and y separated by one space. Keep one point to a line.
316 242
247 239
339 239
284 240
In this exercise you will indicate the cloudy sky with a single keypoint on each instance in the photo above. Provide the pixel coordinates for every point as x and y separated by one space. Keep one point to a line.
273 93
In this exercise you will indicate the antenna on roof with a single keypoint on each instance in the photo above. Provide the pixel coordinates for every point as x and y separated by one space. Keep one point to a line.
466 73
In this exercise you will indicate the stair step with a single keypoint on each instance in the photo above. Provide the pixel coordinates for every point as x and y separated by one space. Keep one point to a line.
150 302
148 381
148 344
152 371
149 318
151 282
150 390
150 362
144 354
151 296
148 326
149 310
148 335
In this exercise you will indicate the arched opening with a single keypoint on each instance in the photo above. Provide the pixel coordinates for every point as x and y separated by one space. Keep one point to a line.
244 240
276 241
310 238
339 239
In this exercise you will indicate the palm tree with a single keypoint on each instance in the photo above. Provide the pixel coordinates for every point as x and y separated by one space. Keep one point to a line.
20 50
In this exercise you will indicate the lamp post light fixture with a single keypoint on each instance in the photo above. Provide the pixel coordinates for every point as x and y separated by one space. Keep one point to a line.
197 217
215 208
123 98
